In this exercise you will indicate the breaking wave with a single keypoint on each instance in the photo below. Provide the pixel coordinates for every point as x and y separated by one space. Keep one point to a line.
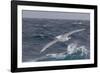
73 51
73 48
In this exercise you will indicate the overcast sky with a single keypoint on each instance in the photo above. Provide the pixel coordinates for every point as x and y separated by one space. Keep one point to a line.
55 15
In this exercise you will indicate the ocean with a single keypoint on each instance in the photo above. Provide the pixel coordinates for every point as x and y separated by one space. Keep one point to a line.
37 32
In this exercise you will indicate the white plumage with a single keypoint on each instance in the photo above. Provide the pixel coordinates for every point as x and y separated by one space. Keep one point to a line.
61 38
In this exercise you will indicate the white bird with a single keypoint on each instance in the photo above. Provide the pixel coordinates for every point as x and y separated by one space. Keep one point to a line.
61 38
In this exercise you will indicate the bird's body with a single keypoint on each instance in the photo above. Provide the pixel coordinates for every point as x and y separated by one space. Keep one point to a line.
61 38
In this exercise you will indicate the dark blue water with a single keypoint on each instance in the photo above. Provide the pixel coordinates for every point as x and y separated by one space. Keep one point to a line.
36 33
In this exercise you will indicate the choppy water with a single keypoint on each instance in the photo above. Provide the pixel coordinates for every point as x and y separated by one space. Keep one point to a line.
36 33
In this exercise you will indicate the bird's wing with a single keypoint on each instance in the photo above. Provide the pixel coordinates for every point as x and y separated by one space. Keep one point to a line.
70 33
49 44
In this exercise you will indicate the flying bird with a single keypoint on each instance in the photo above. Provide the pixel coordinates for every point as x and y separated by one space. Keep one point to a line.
60 38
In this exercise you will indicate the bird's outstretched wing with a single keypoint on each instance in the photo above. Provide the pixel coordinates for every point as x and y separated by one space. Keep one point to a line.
49 44
70 33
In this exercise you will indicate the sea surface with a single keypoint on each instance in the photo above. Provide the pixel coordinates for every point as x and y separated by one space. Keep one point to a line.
36 33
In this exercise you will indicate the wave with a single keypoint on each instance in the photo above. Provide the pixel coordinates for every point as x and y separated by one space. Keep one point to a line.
71 50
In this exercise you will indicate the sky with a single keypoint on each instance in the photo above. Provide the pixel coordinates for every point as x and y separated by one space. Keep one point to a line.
55 15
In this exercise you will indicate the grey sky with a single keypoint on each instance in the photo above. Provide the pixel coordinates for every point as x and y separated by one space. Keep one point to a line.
55 15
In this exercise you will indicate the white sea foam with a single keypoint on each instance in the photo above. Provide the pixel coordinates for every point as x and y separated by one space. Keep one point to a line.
71 49
56 56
